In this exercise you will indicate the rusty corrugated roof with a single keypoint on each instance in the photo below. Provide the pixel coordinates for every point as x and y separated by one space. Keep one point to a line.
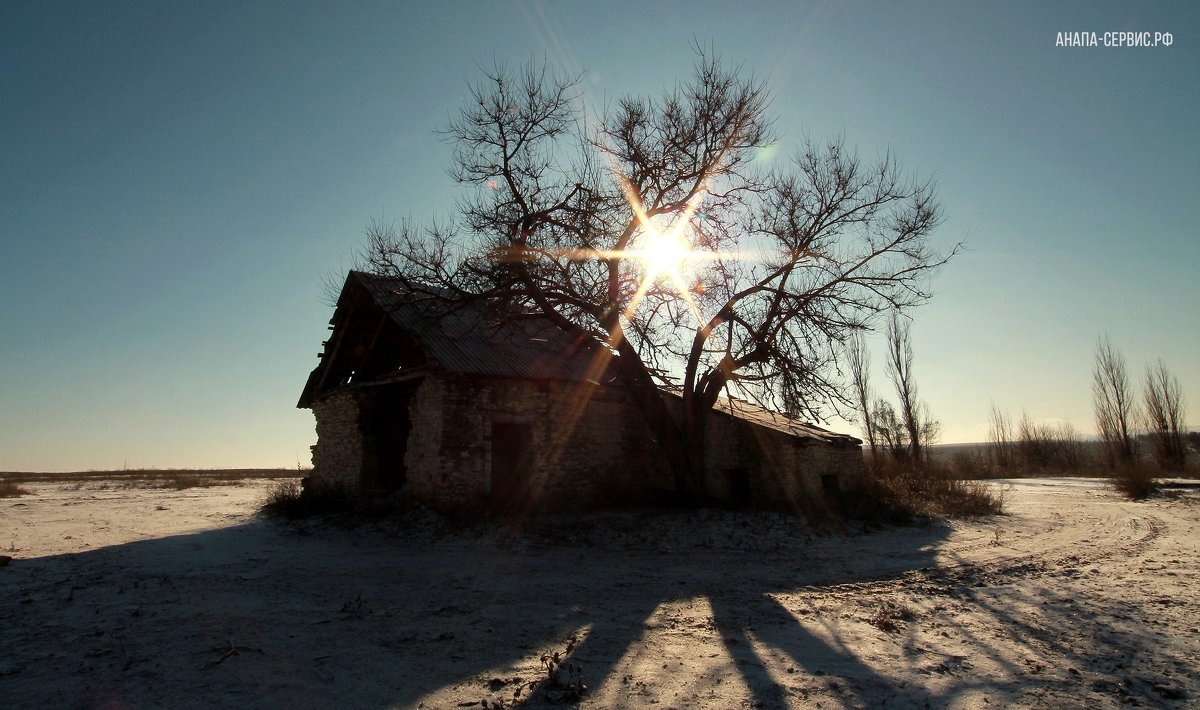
464 339
761 416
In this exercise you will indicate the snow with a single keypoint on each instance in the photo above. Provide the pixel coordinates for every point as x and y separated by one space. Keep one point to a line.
126 596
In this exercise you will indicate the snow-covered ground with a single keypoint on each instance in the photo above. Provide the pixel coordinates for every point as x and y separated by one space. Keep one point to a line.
136 597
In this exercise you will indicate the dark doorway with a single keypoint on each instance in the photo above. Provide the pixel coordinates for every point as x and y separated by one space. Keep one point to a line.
739 487
511 446
387 429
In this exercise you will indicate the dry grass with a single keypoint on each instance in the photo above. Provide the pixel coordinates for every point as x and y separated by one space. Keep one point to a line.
179 482
12 490
897 494
152 474
891 616
290 499
282 494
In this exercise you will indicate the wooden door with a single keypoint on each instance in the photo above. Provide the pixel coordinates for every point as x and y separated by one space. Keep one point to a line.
511 447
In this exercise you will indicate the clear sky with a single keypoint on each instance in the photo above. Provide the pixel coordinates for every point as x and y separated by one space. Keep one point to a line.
178 179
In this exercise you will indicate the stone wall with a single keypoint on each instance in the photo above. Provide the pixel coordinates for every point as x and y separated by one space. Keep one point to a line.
599 448
445 451
780 470
338 454
590 445
588 442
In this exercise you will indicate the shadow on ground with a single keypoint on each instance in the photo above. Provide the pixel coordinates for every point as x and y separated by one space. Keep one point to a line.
269 614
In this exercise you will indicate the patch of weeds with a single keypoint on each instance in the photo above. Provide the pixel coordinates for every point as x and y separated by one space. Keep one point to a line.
173 482
900 495
179 483
12 490
890 616
290 499
563 681
1134 480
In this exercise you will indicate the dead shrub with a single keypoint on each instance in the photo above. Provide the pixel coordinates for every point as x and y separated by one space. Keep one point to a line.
890 616
290 498
969 465
12 490
1134 480
970 499
564 678
898 494
282 493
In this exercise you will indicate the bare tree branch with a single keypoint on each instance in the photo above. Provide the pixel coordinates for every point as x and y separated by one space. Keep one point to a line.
788 265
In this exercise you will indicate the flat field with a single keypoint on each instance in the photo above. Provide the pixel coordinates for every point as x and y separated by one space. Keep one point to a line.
126 595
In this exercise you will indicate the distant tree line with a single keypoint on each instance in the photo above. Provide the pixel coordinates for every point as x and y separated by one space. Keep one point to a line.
1140 433
904 478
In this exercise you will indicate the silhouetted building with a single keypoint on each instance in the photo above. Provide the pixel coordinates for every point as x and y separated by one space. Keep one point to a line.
463 409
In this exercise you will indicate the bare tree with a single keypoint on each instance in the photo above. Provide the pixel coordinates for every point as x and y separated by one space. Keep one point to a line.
568 216
917 427
891 430
1162 398
1000 435
929 428
1116 409
1047 447
899 371
859 363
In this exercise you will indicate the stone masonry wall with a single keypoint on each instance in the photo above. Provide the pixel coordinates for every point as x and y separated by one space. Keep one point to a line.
783 470
588 443
599 448
337 456
445 454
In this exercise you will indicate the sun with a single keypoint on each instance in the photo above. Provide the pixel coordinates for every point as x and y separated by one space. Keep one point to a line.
664 253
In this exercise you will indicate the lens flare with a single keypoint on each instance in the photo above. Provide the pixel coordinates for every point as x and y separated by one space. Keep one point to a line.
664 254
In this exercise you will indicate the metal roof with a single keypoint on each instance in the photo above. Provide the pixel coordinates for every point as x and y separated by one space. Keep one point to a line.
750 412
465 339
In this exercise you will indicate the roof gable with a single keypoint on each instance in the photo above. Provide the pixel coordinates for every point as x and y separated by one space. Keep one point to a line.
376 313
466 339
374 310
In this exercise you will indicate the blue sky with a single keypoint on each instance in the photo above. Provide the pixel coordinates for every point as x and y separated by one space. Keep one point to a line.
178 179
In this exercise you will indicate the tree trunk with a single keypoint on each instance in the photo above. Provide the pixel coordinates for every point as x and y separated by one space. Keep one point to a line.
695 418
663 424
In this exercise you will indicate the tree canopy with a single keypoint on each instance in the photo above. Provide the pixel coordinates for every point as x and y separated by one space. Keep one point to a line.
653 227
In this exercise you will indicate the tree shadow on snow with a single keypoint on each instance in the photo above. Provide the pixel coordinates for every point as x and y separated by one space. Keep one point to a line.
269 614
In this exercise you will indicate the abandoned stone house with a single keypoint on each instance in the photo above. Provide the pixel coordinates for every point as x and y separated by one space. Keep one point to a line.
460 412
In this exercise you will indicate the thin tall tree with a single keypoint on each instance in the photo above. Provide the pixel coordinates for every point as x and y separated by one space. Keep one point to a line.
858 361
1000 434
899 370
1113 399
1162 397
